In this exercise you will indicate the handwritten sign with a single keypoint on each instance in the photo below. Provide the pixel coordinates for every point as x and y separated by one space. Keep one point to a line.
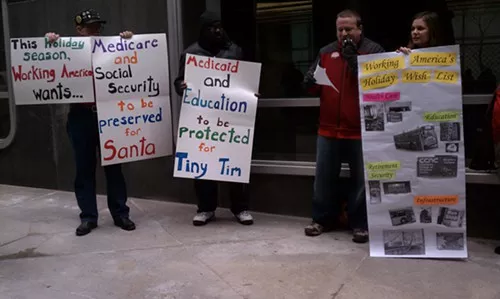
133 102
216 125
52 73
413 150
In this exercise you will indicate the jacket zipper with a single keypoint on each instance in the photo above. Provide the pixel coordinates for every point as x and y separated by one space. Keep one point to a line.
341 93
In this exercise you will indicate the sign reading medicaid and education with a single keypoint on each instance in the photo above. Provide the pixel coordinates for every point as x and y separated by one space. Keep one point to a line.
133 97
216 126
57 72
413 145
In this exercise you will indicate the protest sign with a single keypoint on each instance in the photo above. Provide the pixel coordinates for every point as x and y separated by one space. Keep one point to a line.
412 127
217 120
52 73
133 98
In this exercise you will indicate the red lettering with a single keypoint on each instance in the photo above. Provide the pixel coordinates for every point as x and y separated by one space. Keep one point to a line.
108 145
211 64
18 75
132 151
193 60
75 74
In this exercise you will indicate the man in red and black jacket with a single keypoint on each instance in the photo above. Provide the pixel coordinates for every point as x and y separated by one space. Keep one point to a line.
494 115
340 127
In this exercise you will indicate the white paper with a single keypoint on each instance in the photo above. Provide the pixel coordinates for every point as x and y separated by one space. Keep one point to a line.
412 133
215 136
52 73
133 98
322 78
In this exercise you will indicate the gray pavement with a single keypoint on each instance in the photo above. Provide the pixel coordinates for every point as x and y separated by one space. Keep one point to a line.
166 257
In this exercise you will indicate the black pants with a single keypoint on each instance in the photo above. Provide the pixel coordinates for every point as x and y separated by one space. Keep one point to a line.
206 191
83 134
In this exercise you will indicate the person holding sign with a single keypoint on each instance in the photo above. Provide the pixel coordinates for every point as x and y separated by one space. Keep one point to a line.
425 32
334 77
493 116
84 136
214 42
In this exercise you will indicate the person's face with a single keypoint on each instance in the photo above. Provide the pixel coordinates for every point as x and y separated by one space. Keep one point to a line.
216 31
93 29
420 33
348 27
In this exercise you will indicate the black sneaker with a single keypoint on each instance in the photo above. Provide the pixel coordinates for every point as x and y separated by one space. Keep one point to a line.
124 223
85 228
497 250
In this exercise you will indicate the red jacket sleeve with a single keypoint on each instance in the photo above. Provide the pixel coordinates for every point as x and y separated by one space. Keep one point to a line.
495 119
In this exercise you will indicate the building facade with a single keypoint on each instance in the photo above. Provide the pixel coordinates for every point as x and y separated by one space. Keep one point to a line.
285 36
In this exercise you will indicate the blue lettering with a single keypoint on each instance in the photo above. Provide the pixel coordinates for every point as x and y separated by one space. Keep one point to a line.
223 160
186 96
102 123
131 120
199 169
180 157
223 104
227 170
98 43
123 45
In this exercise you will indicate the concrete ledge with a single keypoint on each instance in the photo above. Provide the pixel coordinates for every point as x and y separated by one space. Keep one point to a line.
299 168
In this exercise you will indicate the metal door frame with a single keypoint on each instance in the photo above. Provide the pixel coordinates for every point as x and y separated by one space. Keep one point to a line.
5 142
175 48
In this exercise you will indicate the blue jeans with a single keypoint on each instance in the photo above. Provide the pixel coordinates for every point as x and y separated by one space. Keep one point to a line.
83 134
326 207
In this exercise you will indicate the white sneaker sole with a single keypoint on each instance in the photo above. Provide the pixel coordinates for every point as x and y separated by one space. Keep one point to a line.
202 223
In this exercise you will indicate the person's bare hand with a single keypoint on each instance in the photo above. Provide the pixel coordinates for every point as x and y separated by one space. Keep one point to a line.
404 50
52 36
184 85
126 34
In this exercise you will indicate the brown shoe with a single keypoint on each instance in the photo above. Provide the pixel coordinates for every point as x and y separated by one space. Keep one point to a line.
360 235
314 229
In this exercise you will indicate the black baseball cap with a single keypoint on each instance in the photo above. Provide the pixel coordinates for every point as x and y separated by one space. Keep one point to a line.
88 16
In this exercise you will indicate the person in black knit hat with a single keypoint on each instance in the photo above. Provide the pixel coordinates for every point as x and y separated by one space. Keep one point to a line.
214 42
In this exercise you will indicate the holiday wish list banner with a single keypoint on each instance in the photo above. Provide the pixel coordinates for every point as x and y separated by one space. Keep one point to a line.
57 72
133 99
216 125
412 127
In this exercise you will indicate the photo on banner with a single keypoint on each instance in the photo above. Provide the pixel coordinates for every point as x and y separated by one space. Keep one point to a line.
133 97
217 120
413 148
57 72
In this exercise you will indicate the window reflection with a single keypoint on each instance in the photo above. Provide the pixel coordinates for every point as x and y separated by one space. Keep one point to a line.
3 73
477 28
285 45
4 103
287 134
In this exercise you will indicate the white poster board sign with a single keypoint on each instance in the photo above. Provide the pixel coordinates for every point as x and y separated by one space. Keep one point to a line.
133 97
52 73
412 127
216 125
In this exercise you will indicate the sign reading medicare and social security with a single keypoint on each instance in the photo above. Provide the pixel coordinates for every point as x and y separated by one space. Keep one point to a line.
413 146
217 120
52 73
133 97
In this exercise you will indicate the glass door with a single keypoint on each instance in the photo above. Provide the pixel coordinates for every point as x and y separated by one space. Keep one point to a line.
7 105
